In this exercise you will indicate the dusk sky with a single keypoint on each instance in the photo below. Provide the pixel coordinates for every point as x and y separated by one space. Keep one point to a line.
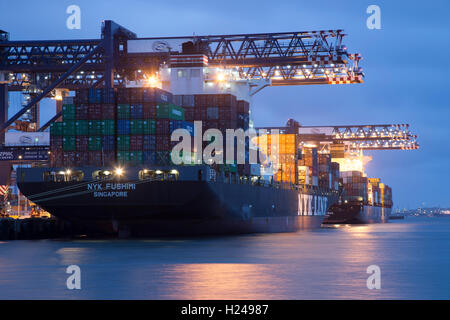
407 76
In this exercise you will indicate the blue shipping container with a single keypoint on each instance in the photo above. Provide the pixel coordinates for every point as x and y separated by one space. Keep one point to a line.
161 96
123 126
174 125
108 95
149 157
178 124
95 95
136 111
149 142
108 143
189 126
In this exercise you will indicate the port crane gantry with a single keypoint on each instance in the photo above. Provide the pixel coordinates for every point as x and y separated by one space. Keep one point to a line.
288 58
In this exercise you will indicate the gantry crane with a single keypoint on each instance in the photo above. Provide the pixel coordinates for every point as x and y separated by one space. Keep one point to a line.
288 58
354 138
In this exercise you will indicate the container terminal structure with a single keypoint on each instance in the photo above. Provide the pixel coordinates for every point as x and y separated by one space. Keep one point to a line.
362 199
131 93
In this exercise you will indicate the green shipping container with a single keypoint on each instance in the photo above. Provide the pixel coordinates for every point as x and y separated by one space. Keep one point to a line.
169 111
56 129
123 143
136 156
149 126
123 111
136 126
95 127
69 143
68 112
108 127
95 143
81 128
229 167
68 127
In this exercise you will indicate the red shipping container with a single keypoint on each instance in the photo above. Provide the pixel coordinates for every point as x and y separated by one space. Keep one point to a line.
227 124
162 143
109 158
149 111
226 100
242 106
82 143
82 158
136 95
189 114
227 113
211 124
108 111
56 143
95 158
211 100
123 95
162 126
69 158
95 112
81 112
200 100
56 158
199 113
136 142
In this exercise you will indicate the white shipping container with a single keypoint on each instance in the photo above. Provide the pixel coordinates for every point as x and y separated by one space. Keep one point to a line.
27 138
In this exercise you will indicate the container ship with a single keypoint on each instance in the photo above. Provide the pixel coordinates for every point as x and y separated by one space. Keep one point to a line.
122 97
111 169
363 200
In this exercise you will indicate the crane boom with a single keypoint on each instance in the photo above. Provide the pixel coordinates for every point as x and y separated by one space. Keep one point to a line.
356 137
287 58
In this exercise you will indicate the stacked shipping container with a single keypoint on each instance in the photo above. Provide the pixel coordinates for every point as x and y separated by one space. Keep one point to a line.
128 126
328 172
310 159
355 185
367 190
217 111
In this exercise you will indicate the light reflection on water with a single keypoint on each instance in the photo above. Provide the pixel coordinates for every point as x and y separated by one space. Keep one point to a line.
329 263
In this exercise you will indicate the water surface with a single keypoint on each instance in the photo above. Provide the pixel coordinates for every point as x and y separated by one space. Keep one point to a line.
331 263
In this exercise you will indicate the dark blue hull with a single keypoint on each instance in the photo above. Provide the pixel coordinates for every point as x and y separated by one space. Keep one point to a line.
181 207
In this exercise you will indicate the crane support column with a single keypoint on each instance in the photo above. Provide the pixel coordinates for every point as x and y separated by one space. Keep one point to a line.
108 47
3 108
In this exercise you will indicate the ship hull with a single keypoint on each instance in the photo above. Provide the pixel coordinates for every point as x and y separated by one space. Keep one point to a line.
357 214
180 207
